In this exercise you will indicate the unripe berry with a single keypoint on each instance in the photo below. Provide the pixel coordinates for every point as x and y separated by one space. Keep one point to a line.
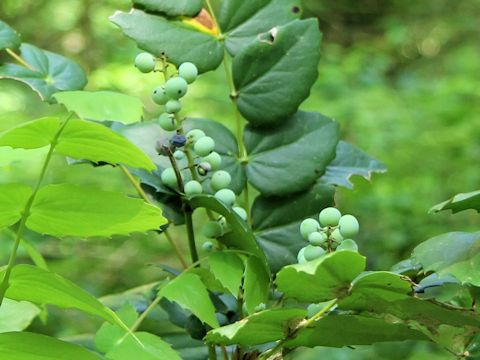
145 62
337 236
179 155
317 238
241 212
193 187
176 87
348 226
159 96
212 229
329 216
348 244
301 256
226 196
167 122
308 226
313 252
194 135
220 180
204 146
173 106
188 71
207 246
169 178
214 159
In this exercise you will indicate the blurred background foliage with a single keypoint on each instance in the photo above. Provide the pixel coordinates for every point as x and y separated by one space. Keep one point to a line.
401 77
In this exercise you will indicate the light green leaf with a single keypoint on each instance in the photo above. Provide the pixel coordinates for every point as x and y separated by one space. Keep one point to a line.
171 7
303 145
102 105
13 198
49 73
460 202
323 279
9 38
260 328
228 269
350 161
180 42
455 253
189 292
270 83
243 20
71 210
30 346
16 315
31 135
150 348
256 285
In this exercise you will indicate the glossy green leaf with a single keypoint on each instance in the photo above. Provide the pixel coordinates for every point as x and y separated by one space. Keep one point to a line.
189 292
9 38
30 346
455 253
260 328
48 73
350 161
16 315
270 84
109 335
276 222
460 202
151 347
102 105
323 279
13 198
243 20
228 268
71 210
171 7
303 145
256 284
179 41
30 283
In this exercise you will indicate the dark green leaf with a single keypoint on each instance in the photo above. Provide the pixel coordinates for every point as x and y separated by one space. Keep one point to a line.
179 41
9 38
171 7
227 267
256 285
460 202
13 198
303 145
270 83
49 72
16 315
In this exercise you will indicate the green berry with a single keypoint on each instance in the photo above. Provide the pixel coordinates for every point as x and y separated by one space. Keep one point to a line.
188 71
337 236
348 226
226 196
214 159
193 187
301 256
145 62
308 226
204 146
313 252
203 168
317 238
220 180
212 229
329 216
173 106
176 87
207 246
179 155
169 178
348 244
240 212
167 122
194 135
159 96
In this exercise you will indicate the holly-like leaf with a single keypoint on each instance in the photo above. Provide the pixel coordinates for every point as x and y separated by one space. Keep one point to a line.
256 285
460 202
179 41
350 161
25 345
9 38
102 105
323 279
228 269
303 145
16 315
71 210
171 7
269 91
455 253
242 20
13 198
47 74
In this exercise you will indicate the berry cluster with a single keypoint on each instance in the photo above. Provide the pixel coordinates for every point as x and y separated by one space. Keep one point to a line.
334 231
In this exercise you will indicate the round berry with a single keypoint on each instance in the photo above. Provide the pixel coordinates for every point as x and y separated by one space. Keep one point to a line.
317 238
167 122
173 106
308 226
214 159
301 256
226 196
329 216
179 155
145 62
313 252
169 178
348 226
176 87
240 212
203 168
178 140
348 244
212 229
207 246
337 236
188 71
159 96
194 135
193 187
220 180
204 146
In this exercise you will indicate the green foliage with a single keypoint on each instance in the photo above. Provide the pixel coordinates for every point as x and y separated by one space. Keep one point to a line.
9 38
17 315
13 198
460 202
171 7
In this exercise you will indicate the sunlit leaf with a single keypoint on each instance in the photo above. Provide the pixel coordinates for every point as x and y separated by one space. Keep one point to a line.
13 198
16 315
